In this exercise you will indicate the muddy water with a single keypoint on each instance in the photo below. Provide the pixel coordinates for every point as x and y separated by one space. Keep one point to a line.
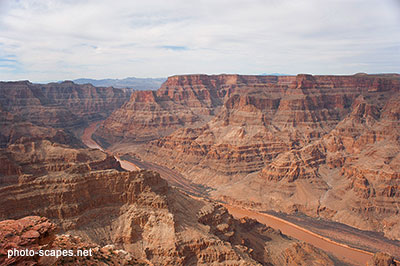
341 251
88 141
127 165
87 136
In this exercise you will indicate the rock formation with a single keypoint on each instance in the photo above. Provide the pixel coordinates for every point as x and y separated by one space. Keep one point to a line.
87 194
35 234
382 259
181 101
325 146
57 105
32 232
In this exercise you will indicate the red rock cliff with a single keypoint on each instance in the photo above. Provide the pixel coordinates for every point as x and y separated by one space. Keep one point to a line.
293 143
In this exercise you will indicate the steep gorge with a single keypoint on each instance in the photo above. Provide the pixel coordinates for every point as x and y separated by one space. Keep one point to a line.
325 146
45 170
87 194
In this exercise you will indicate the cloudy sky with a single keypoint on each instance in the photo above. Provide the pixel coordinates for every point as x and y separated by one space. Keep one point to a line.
48 40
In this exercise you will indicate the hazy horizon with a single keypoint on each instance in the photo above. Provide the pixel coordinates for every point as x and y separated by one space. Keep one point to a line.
187 74
45 41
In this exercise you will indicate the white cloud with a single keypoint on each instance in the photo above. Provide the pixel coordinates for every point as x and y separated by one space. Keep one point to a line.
53 40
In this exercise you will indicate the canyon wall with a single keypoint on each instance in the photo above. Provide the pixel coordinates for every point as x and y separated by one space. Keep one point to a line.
87 195
325 146
57 105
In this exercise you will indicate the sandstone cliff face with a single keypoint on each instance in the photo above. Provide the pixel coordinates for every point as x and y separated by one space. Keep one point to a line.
287 101
86 193
86 101
323 145
260 118
56 105
350 175
182 101
145 117
44 157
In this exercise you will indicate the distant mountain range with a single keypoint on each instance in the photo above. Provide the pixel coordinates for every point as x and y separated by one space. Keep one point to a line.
130 82
274 74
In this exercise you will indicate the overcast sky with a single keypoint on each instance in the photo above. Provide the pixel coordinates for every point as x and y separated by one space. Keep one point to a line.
47 40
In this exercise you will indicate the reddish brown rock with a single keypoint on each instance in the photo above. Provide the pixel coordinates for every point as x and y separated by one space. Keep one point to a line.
304 254
296 144
145 117
181 101
53 105
37 234
45 171
260 118
382 259
32 233
145 217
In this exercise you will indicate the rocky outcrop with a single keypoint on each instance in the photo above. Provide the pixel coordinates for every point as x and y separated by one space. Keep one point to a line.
44 157
59 104
85 101
303 254
326 146
277 249
38 234
382 259
286 101
32 233
151 221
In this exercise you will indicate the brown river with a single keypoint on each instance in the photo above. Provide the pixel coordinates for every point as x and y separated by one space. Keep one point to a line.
341 251
88 141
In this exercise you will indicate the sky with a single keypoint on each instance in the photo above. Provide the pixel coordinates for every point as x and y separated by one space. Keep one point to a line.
48 40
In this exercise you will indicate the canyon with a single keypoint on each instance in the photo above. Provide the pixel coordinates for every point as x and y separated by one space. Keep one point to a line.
57 193
322 147
89 196
139 213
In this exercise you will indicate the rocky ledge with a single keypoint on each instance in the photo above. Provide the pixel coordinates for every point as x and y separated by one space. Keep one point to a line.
35 234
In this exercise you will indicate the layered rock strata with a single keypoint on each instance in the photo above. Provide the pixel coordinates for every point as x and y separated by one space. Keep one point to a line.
86 193
58 105
325 146
182 101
